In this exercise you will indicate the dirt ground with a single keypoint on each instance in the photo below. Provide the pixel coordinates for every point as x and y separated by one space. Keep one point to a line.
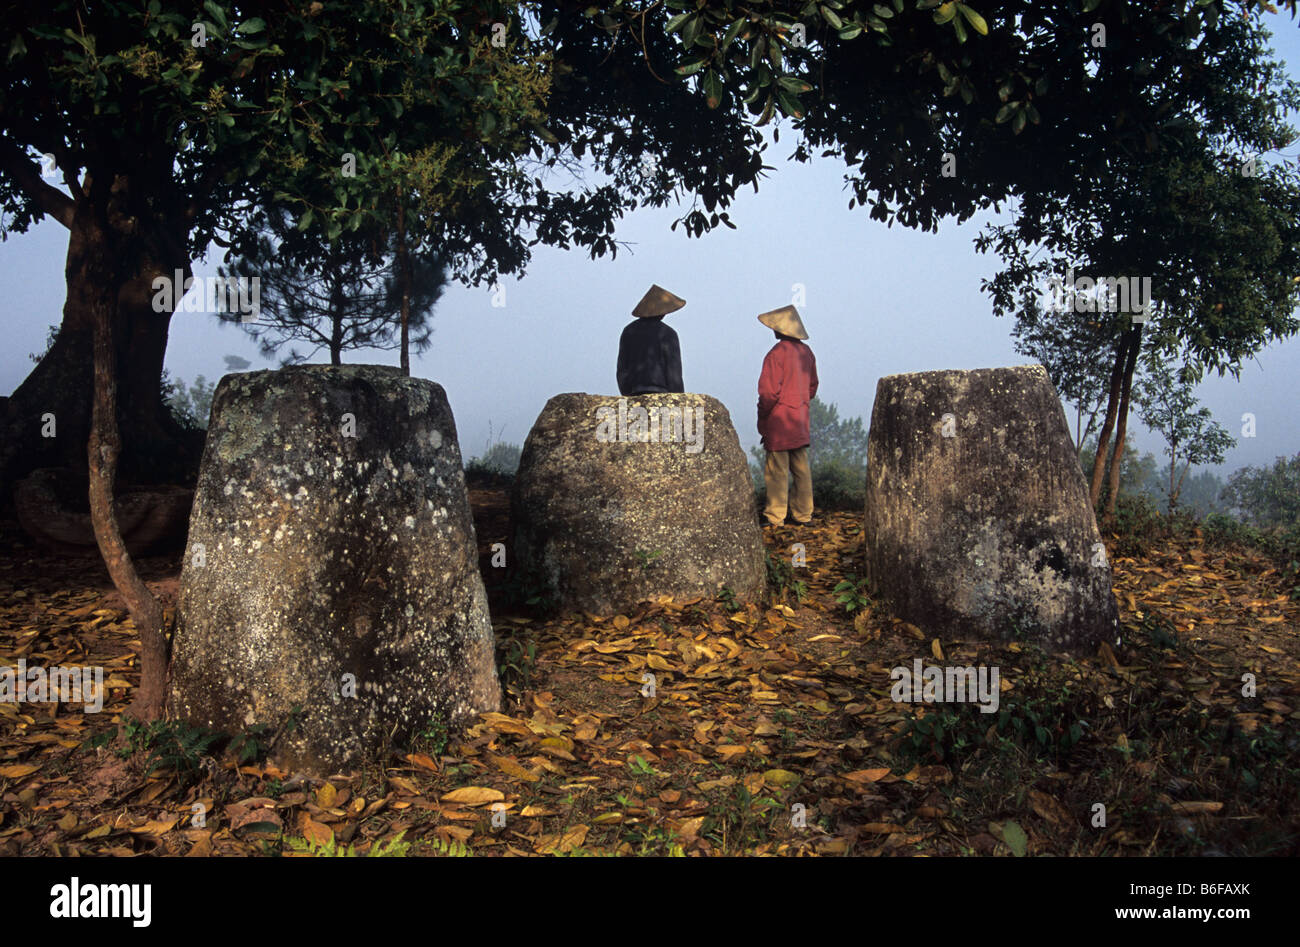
771 729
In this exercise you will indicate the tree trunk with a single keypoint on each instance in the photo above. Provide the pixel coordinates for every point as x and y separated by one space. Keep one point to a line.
1121 428
336 319
1092 425
1108 424
1176 490
1085 430
154 447
102 454
404 282
1173 466
95 273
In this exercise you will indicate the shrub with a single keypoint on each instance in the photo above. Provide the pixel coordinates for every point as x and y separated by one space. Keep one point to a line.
1137 523
837 485
500 458
781 581
1279 544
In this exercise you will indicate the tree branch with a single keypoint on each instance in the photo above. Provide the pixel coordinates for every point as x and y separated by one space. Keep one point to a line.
15 162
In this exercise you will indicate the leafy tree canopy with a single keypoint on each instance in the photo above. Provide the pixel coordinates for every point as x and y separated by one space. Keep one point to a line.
344 298
1167 405
480 112
1268 496
1211 223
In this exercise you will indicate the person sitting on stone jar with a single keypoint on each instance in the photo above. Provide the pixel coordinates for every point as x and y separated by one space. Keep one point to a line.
649 355
785 389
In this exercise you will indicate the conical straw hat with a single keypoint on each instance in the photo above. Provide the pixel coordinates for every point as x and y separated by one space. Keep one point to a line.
657 302
786 321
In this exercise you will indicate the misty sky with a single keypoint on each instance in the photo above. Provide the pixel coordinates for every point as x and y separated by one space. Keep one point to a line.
879 300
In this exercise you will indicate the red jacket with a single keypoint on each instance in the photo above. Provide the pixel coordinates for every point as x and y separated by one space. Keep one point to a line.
788 383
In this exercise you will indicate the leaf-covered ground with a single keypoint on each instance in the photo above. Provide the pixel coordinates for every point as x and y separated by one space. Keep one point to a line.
771 730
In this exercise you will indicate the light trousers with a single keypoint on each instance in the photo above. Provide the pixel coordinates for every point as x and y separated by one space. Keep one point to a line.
780 465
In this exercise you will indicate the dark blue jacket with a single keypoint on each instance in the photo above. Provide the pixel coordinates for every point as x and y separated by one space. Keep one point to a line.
649 358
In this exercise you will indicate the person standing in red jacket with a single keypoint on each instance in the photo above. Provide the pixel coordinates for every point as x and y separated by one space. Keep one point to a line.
785 388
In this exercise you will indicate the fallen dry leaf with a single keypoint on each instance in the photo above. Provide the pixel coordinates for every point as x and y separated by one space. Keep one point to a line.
781 778
565 841
314 831
473 796
422 761
867 775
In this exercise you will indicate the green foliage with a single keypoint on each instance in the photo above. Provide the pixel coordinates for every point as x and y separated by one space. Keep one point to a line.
433 738
781 580
1045 725
393 848
937 734
1202 494
1076 355
727 596
497 465
500 458
1267 497
1138 475
1280 544
853 594
837 459
1267 755
1039 720
1268 500
838 486
1142 487
646 559
640 767
1013 835
836 441
175 745
180 747
172 745
1224 530
1197 210
741 820
1167 404
343 297
192 406
429 106
1137 524
1041 729
429 110
453 848
828 66
652 839
516 659
252 745
530 588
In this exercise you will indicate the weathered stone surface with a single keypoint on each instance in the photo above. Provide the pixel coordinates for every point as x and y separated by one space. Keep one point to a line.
607 520
977 515
52 506
314 554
